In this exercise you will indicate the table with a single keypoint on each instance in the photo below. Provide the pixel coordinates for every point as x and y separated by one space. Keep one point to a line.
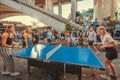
62 59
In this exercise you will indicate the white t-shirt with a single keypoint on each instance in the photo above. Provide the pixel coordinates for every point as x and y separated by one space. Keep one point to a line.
68 39
107 39
92 36
73 39
49 35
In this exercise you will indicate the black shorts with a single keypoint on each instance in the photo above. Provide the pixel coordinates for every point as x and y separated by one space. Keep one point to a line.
111 53
90 43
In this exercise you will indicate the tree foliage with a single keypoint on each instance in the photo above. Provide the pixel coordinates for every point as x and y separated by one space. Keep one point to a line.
90 13
68 27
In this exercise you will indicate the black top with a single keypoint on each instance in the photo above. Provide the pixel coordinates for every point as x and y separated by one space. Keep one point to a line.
9 41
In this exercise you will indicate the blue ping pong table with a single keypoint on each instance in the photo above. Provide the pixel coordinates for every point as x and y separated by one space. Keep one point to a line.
62 59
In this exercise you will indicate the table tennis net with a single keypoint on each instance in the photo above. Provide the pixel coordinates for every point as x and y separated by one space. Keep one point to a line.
50 53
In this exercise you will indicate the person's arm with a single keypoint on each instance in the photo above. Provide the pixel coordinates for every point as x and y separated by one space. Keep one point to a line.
95 36
33 36
25 39
36 33
15 43
4 40
0 34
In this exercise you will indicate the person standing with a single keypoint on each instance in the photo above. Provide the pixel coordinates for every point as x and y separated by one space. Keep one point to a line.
73 41
49 36
36 37
0 39
92 39
6 53
111 52
95 23
27 36
105 23
80 40
44 34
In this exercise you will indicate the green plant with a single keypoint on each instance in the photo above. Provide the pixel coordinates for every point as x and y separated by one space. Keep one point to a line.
68 27
90 13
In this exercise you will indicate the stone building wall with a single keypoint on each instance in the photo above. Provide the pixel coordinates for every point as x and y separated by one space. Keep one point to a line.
105 8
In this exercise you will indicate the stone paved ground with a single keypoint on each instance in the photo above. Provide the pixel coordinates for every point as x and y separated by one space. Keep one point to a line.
21 66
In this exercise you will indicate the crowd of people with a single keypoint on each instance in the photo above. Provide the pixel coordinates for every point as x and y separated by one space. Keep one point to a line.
94 33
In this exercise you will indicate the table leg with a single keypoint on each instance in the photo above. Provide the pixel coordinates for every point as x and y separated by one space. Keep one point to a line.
29 73
64 70
80 74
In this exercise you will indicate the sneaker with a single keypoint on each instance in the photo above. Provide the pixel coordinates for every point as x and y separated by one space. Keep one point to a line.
111 75
14 74
5 73
104 77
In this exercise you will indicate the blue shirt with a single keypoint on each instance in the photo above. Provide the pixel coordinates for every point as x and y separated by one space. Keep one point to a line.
87 27
95 23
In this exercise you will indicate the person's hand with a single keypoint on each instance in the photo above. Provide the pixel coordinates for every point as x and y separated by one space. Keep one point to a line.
99 44
17 46
26 47
102 47
33 39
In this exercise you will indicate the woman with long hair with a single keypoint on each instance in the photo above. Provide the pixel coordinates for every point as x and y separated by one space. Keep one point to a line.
6 53
111 53
28 39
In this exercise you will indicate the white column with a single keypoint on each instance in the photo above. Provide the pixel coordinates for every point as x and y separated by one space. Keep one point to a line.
118 4
73 9
95 9
98 9
114 5
49 5
59 8
44 6
32 2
